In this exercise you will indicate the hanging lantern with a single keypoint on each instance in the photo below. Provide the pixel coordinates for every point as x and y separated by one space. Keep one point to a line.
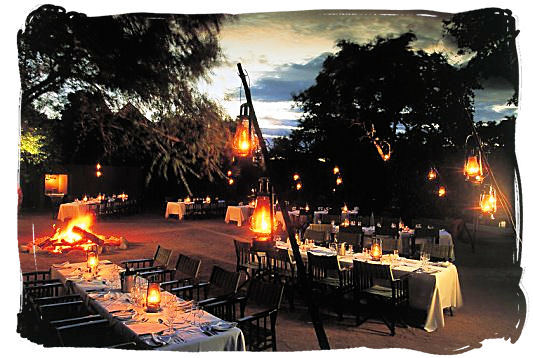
298 186
261 221
442 191
338 181
244 141
473 167
231 181
345 208
230 173
432 174
487 202
306 207
385 151
336 170
295 177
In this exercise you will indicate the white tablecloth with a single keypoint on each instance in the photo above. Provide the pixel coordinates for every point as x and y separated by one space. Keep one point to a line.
430 292
176 208
114 300
73 210
238 213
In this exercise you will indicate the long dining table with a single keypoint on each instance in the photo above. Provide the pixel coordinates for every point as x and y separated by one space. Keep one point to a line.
103 294
430 290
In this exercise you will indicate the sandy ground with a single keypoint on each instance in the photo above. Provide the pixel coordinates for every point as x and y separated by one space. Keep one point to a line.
494 306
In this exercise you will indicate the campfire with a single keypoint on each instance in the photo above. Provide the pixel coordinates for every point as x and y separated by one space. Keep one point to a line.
77 235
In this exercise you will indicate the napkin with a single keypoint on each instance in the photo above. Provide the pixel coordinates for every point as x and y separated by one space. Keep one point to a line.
146 327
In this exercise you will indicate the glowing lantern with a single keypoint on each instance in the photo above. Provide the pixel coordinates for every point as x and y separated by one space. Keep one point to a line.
442 191
336 170
295 177
432 174
345 223
98 166
262 221
298 186
385 155
229 173
153 297
187 200
345 208
473 168
487 202
98 174
244 141
231 181
306 207
376 249
92 260
339 181
208 199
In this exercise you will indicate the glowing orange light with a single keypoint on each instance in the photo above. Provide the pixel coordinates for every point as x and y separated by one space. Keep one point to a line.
473 169
260 221
231 181
306 207
187 200
336 170
244 142
229 173
376 249
298 186
92 260
488 201
153 297
432 174
442 191
98 166
98 174
85 198
345 208
339 181
384 155
208 199
295 177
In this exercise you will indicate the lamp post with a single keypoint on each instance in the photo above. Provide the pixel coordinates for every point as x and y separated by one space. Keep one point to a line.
313 310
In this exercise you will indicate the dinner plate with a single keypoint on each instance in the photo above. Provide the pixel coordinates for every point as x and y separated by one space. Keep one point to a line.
223 325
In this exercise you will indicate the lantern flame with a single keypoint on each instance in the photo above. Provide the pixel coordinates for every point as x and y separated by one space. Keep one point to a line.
488 202
296 177
336 170
442 191
244 141
260 222
339 181
473 170
432 174
298 186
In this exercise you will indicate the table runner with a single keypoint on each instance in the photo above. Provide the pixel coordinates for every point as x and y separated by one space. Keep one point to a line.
104 295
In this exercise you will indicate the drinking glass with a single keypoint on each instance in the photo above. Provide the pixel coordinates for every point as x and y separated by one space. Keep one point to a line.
350 249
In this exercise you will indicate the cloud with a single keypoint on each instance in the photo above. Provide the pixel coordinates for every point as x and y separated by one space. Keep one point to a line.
491 102
288 79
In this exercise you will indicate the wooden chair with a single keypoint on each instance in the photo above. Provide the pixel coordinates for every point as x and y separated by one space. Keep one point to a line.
282 270
248 261
92 333
221 284
328 280
185 272
385 295
319 237
351 238
159 261
261 305
423 236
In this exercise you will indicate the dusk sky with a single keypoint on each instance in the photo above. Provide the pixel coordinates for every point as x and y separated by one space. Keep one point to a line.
283 53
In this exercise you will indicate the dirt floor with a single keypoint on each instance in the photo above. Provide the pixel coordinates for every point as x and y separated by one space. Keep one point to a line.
494 306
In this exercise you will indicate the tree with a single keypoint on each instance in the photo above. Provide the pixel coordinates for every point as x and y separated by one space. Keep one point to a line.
153 62
488 35
416 101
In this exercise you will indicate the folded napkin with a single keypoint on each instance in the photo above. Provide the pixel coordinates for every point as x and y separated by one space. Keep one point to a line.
146 327
64 265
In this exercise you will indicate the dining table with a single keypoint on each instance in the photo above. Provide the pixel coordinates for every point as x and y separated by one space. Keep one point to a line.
75 209
431 289
238 213
176 208
177 326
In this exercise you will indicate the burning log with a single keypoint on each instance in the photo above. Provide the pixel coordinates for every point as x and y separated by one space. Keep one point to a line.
88 236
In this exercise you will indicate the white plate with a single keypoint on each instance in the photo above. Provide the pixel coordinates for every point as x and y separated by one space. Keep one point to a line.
223 326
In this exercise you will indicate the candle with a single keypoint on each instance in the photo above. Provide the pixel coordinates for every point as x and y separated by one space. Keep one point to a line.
376 249
92 260
153 297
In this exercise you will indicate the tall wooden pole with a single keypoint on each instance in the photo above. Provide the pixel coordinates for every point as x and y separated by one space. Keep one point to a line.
302 277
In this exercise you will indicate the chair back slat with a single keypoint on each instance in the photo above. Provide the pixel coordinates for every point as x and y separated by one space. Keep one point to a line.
84 334
225 282
243 251
36 276
322 266
280 262
188 266
265 294
162 256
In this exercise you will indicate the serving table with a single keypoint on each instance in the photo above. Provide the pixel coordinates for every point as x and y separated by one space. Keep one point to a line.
176 208
430 290
133 323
